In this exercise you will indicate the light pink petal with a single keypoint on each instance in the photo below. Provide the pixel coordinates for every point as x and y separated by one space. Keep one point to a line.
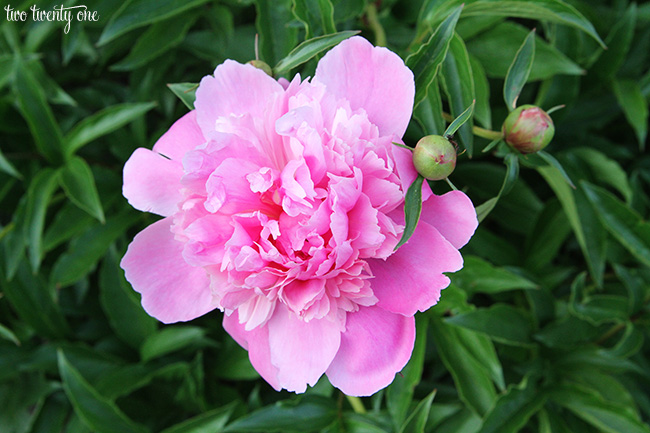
300 350
257 344
372 78
152 182
375 345
454 216
183 136
411 279
234 90
172 290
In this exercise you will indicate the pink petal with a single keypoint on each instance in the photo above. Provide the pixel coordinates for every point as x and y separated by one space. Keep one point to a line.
453 215
257 344
300 350
183 136
375 345
172 290
411 279
152 182
234 90
372 78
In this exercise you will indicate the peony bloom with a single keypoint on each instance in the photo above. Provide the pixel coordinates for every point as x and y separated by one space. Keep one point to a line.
283 203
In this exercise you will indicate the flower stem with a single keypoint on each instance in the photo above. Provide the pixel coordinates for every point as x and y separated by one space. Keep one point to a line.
375 25
356 403
477 130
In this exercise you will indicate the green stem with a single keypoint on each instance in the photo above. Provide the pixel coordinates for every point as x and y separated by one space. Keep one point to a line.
356 403
477 130
375 25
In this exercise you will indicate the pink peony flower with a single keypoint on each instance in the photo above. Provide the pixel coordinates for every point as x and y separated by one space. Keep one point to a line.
283 203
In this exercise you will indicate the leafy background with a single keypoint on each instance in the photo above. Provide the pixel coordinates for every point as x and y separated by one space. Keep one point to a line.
544 330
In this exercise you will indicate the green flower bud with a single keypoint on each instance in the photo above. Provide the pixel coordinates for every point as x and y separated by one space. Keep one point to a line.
528 129
263 66
434 157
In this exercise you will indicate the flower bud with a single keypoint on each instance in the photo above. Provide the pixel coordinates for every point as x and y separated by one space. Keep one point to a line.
528 129
434 157
263 66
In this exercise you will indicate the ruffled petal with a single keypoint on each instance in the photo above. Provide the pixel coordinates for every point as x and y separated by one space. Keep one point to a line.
172 290
301 350
372 78
411 279
256 342
152 182
183 136
453 215
375 345
234 90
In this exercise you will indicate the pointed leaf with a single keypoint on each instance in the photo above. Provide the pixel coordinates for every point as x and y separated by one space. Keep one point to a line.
277 38
519 70
412 209
460 120
309 49
635 106
79 185
418 419
39 195
104 122
208 422
98 413
186 92
7 167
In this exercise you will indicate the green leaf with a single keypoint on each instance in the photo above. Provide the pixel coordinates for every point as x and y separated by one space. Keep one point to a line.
288 416
309 49
458 84
471 376
604 415
418 419
39 195
550 159
208 422
139 13
38 114
634 105
618 44
9 335
104 122
277 39
478 276
7 167
400 393
501 322
460 120
593 246
79 185
98 413
69 221
428 113
412 209
317 16
85 251
518 71
514 408
605 170
186 92
157 40
482 111
427 60
121 304
171 339
621 221
496 48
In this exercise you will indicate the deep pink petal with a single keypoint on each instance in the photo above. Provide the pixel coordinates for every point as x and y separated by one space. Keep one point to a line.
183 136
172 290
372 78
376 344
300 350
152 182
256 342
454 216
234 90
411 279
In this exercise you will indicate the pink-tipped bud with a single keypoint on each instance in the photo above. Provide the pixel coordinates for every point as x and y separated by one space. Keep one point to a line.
263 66
434 157
528 129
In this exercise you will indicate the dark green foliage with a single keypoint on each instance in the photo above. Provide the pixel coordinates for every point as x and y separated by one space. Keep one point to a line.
545 327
